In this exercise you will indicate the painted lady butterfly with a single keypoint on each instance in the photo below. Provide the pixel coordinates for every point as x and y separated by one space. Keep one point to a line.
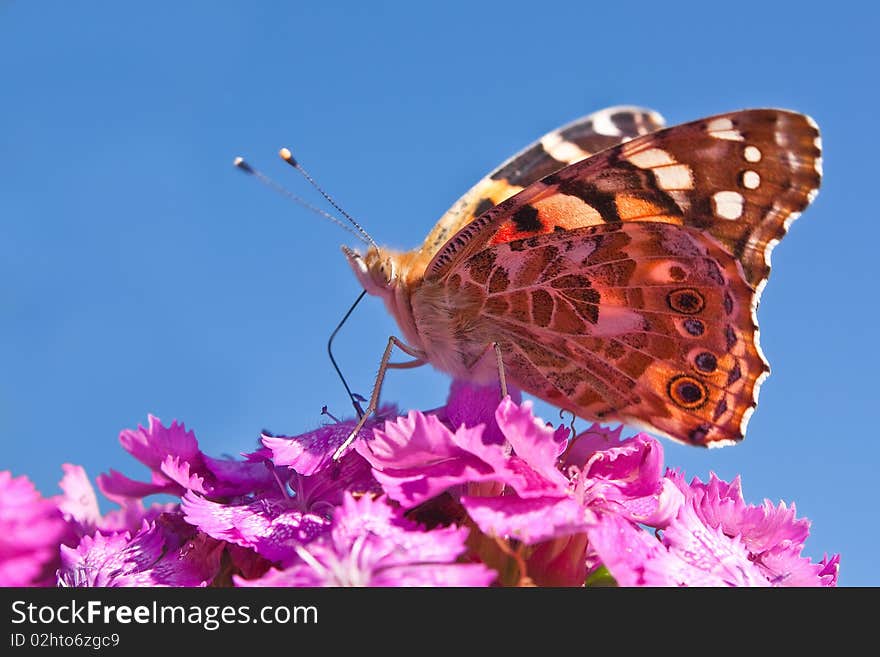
612 268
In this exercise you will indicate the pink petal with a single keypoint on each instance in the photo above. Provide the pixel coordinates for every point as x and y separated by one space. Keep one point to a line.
530 520
151 445
471 405
31 529
312 452
79 503
117 487
417 458
533 441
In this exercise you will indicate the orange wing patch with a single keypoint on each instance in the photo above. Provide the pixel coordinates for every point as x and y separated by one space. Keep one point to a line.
562 147
546 215
635 208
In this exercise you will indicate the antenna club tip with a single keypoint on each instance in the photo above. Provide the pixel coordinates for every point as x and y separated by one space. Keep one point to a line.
287 156
239 163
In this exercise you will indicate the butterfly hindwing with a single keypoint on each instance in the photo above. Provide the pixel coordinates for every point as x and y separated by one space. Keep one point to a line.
571 143
646 323
741 177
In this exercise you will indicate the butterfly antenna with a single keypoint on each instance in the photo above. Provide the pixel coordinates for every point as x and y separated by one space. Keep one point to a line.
243 166
356 399
287 156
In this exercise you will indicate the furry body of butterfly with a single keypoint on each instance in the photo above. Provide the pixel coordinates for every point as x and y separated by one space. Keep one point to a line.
616 265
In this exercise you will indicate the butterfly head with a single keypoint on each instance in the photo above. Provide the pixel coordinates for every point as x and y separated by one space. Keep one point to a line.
375 270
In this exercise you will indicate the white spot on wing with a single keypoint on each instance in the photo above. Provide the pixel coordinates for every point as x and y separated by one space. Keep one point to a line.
669 173
730 135
723 129
728 205
562 149
751 179
752 154
603 125
720 125
652 157
678 176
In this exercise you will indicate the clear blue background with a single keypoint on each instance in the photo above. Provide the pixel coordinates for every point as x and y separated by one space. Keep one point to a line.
141 273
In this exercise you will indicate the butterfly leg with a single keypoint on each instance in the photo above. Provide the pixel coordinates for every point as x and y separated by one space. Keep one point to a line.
502 379
384 366
499 360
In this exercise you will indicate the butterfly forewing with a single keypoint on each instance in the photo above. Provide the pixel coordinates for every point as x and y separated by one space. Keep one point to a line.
567 145
740 177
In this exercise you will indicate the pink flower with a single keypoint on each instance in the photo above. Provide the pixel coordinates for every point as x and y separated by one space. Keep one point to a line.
772 535
79 506
417 458
274 522
474 493
371 544
625 477
830 569
702 557
31 529
312 452
165 552
268 525
472 405
177 464
715 539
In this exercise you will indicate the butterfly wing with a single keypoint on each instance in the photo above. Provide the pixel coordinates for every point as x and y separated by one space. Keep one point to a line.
742 177
569 144
625 286
645 323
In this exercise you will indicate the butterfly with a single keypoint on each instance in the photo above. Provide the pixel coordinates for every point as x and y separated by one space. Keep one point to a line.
613 268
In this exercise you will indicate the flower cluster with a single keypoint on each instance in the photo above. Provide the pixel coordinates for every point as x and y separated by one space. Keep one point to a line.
475 493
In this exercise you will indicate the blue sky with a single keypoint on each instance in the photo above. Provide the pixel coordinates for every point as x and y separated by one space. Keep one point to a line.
140 273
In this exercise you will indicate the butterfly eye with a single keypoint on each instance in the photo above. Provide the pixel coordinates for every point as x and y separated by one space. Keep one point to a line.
386 269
